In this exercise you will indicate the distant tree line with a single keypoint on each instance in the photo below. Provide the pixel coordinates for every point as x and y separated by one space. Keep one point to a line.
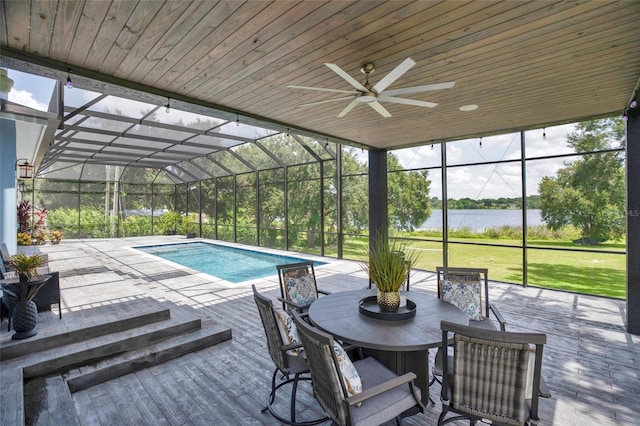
502 203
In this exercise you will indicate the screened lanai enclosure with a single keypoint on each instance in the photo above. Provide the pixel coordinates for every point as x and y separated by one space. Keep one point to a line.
111 172
238 182
480 134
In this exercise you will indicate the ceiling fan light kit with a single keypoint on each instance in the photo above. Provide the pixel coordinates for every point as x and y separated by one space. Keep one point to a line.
373 95
469 107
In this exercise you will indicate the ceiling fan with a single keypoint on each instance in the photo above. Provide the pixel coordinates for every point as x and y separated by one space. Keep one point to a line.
373 95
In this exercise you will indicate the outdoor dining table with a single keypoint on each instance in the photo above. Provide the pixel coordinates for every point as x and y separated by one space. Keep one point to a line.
403 345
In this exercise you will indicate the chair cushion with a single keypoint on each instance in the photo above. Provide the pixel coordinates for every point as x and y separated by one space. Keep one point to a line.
466 296
301 290
386 406
348 373
288 330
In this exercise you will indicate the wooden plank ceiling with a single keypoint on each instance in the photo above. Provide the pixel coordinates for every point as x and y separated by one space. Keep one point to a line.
524 63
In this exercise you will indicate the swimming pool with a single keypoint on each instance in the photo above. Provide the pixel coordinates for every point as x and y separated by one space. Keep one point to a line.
229 263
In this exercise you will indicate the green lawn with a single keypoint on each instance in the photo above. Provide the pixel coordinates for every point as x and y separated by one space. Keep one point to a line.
584 271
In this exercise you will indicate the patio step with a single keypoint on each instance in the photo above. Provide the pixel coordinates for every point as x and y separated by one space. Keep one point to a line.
76 333
54 365
130 362
92 350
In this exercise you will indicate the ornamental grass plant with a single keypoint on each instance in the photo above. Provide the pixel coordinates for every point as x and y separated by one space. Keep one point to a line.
388 264
25 267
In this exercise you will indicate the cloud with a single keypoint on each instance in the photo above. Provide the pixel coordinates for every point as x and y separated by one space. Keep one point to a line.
26 98
492 180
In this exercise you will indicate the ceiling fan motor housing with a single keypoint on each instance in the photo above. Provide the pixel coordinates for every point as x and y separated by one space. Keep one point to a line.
367 68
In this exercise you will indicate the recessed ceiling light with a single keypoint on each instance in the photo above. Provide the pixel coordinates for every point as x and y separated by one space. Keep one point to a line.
469 107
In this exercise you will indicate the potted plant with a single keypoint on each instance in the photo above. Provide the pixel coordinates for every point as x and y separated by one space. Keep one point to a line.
190 225
387 267
169 221
22 290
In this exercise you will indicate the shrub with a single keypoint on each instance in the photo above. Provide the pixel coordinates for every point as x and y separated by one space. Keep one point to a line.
24 218
55 237
24 239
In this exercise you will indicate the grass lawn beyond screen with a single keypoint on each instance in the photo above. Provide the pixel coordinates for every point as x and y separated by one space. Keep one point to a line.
581 271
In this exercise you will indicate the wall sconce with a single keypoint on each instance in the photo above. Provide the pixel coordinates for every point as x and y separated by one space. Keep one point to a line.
22 187
26 169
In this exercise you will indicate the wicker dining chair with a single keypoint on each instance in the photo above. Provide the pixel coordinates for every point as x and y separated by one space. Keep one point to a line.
467 288
286 356
492 376
478 279
298 286
382 395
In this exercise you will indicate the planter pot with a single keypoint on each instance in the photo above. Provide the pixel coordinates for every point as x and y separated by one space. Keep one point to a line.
24 313
191 234
25 316
389 301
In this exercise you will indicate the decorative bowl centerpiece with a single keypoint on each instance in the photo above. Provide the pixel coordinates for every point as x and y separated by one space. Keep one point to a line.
370 307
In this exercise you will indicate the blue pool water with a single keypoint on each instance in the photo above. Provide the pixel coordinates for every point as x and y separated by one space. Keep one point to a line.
229 263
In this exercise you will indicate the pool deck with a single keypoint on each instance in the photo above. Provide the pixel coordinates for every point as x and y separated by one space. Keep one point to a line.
590 363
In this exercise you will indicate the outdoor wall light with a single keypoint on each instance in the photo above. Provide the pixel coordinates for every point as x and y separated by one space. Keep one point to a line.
168 107
22 187
69 83
26 169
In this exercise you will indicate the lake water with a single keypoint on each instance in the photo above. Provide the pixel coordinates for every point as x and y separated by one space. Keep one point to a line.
479 219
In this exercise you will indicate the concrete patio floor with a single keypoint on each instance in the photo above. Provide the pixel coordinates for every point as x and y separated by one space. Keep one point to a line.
590 362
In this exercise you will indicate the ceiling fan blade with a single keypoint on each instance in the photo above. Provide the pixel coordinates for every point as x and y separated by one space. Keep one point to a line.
405 101
326 101
417 89
395 74
352 81
322 89
349 107
378 107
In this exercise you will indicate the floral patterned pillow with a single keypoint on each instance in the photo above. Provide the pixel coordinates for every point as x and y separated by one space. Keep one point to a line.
348 373
288 330
466 296
301 290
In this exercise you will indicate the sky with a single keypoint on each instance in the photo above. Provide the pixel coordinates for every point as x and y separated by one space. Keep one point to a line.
493 180
475 182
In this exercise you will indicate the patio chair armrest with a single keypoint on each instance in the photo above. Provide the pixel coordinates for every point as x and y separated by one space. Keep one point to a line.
292 304
381 388
499 317
349 346
291 346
